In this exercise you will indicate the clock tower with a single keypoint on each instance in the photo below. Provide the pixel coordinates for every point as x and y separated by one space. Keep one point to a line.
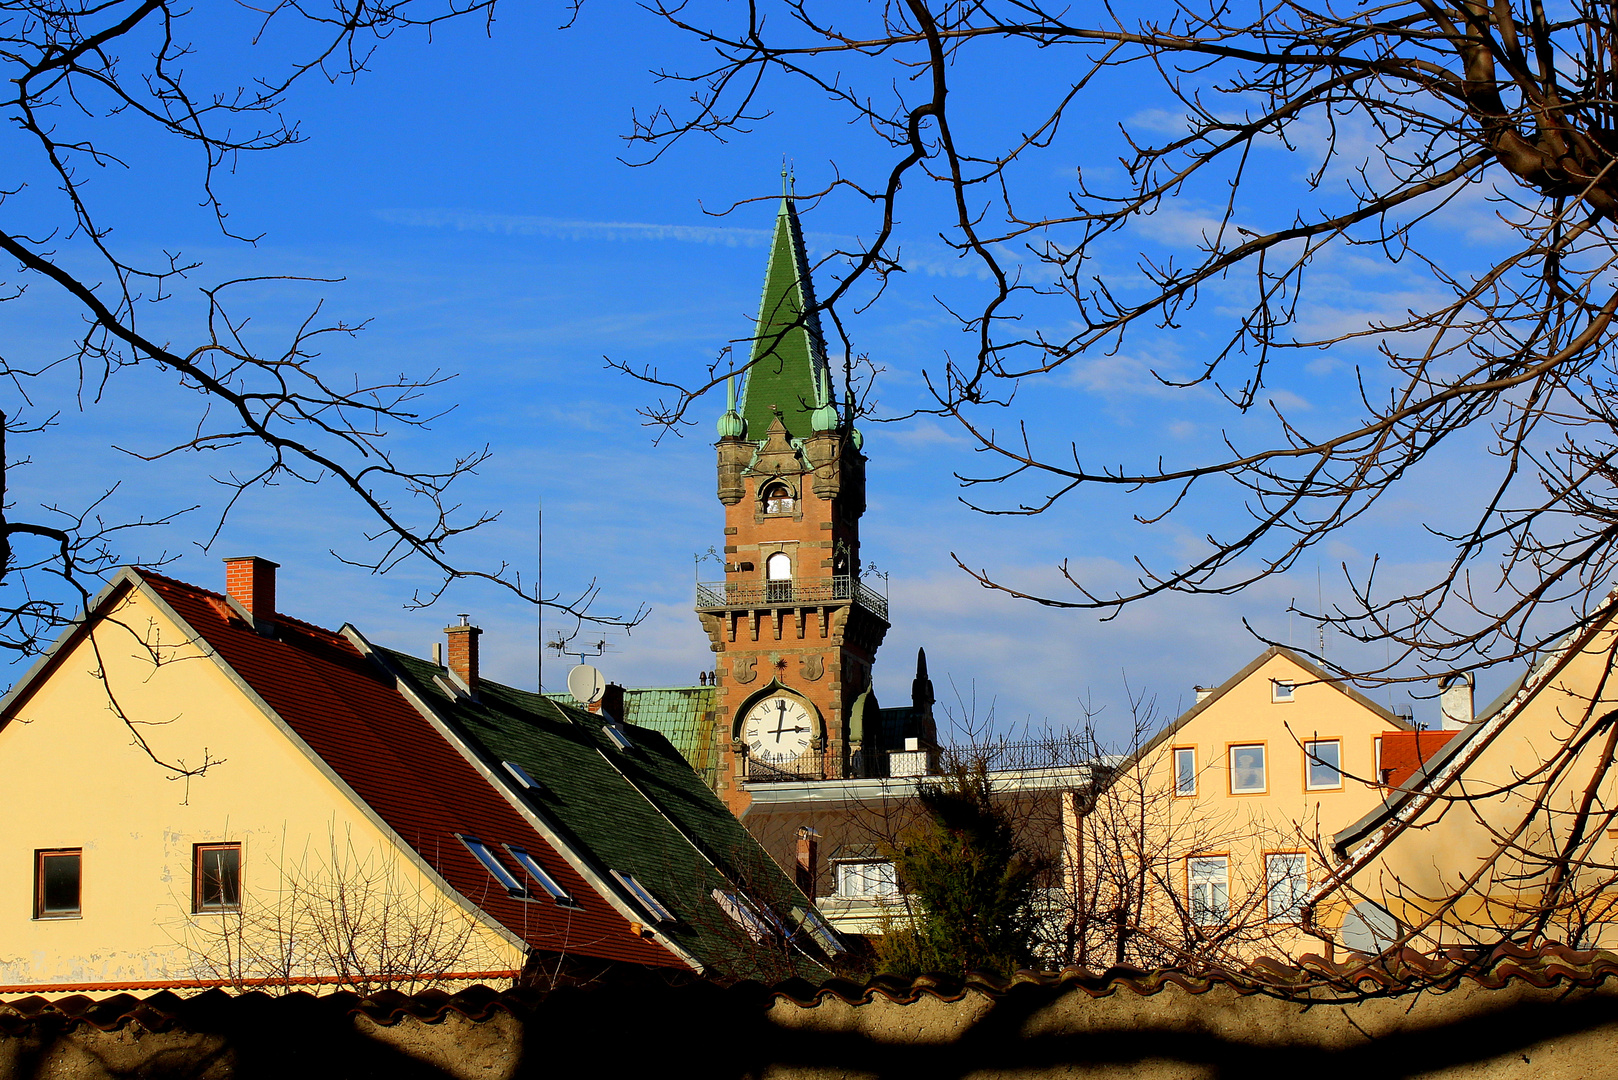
794 628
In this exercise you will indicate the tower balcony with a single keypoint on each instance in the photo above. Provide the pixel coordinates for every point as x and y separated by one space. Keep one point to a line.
790 592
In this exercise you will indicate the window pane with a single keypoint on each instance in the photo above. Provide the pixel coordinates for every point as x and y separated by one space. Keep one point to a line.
1325 764
1247 769
59 884
1209 879
219 877
867 880
1287 879
1185 772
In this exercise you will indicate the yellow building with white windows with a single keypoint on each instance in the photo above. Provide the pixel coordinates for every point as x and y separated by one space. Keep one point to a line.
1207 839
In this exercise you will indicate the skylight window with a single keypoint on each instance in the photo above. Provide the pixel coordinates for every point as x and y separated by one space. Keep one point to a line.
619 737
815 924
657 911
537 872
521 775
742 914
493 865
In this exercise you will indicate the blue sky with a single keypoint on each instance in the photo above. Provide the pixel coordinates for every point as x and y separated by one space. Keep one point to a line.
469 194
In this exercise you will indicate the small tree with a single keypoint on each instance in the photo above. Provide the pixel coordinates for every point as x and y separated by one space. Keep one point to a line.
354 917
971 879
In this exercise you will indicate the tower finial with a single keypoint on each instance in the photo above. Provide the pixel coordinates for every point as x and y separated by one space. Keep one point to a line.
731 425
786 173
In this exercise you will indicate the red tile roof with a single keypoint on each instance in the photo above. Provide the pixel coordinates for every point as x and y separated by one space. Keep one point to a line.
1311 979
382 747
1403 752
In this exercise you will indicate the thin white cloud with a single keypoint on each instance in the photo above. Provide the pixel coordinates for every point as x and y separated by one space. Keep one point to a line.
567 229
931 260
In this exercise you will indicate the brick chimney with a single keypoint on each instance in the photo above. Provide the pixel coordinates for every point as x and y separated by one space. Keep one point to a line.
808 868
250 581
463 654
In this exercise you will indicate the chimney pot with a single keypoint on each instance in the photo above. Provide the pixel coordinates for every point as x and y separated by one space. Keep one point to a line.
250 581
1202 692
1455 701
463 654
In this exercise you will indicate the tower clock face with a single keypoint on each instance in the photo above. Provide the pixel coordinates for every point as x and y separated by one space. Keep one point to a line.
778 730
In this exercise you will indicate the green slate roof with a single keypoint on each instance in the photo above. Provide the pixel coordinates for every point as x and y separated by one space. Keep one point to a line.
788 369
644 812
684 715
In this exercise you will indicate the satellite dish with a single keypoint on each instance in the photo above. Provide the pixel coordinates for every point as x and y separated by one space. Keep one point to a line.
586 684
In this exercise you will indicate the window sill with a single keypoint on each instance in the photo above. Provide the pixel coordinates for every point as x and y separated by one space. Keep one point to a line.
64 917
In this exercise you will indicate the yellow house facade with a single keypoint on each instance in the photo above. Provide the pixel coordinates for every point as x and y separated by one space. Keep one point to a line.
93 761
1207 839
1508 834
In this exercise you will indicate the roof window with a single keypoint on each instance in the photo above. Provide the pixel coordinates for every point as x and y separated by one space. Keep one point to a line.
815 924
537 872
656 910
620 737
520 774
742 914
493 865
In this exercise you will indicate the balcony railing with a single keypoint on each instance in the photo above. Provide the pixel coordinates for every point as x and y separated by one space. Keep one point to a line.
749 594
757 772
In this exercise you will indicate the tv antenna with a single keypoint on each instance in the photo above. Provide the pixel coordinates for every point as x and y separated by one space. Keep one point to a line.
584 652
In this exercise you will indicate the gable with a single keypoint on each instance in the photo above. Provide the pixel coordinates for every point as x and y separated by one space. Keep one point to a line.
76 778
1244 708
351 715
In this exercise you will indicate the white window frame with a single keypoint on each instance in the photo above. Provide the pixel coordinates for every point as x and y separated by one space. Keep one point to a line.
815 925
1185 772
1207 879
520 774
1283 691
1263 768
484 854
620 738
531 867
1286 885
742 914
774 559
1312 760
653 906
886 879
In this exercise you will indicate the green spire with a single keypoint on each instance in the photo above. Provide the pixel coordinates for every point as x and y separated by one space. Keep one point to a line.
730 424
789 369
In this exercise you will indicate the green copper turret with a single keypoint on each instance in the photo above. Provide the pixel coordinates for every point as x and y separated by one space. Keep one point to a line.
731 425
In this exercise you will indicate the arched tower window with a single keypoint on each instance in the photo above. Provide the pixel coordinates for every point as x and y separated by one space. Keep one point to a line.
778 577
778 499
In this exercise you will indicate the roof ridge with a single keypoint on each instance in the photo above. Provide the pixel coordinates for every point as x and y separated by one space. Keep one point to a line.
279 616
